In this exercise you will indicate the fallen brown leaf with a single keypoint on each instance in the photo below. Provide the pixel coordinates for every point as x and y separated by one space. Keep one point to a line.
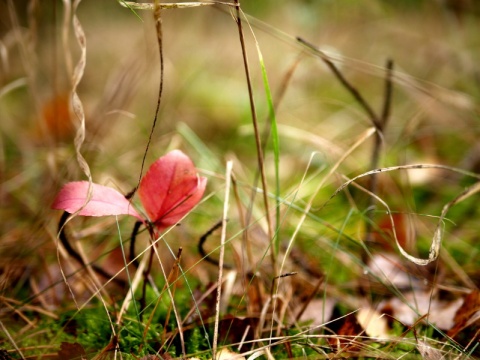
4 355
419 303
71 351
374 323
467 320
346 329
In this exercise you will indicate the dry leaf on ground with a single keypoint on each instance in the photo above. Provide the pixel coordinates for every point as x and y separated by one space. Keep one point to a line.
419 303
71 351
466 325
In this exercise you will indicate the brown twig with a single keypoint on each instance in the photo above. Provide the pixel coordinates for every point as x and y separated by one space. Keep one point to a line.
74 254
380 123
379 136
258 141
146 273
158 27
203 239
272 288
320 281
133 238
355 93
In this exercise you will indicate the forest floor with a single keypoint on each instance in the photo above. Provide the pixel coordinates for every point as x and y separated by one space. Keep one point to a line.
339 145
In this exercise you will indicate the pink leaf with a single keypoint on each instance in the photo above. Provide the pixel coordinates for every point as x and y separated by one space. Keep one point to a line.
104 201
170 189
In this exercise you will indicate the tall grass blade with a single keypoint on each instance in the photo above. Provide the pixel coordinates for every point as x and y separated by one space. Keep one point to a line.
275 143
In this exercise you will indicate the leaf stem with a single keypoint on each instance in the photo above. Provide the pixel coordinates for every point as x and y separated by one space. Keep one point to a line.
158 27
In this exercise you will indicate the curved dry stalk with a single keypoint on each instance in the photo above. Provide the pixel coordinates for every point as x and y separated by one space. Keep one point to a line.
79 113
173 5
226 204
438 233
76 102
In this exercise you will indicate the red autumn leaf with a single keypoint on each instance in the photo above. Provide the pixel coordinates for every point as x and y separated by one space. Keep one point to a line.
104 201
170 189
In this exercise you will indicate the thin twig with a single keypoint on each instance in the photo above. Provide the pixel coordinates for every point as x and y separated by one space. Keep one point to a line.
147 271
158 27
203 239
258 141
387 104
379 122
272 288
355 93
133 287
133 239
379 137
274 299
307 302
74 254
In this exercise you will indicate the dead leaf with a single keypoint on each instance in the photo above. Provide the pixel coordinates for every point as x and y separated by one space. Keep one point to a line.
234 329
428 352
387 269
4 355
374 323
419 303
384 234
347 329
467 319
71 351
318 312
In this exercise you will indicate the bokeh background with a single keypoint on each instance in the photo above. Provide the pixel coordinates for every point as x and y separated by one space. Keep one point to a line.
205 112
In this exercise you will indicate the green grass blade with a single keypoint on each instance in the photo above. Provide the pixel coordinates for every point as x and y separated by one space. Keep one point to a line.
275 143
208 157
